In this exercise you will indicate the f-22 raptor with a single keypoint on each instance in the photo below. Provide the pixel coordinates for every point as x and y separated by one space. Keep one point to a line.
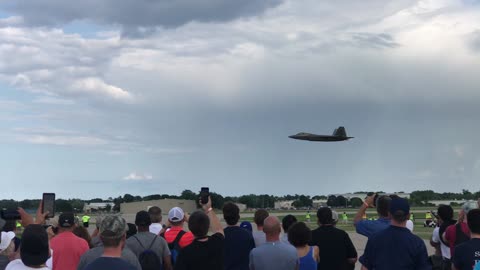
339 134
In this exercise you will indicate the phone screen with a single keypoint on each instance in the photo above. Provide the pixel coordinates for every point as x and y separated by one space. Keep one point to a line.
49 204
204 193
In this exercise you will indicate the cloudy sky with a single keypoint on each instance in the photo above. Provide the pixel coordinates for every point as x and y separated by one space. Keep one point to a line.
99 99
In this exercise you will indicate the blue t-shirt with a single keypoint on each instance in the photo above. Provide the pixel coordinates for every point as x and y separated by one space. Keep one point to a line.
274 255
238 244
109 263
395 248
370 227
467 255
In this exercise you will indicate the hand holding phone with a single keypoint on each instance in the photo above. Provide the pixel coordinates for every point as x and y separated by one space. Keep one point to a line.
48 205
204 194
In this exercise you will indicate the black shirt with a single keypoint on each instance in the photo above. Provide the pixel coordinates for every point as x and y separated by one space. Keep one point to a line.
199 255
335 248
467 254
238 244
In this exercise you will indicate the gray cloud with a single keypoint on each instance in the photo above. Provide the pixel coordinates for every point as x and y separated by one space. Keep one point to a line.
136 15
370 40
474 40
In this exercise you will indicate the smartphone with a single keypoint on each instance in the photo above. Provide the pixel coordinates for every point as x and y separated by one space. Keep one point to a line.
204 193
49 204
10 215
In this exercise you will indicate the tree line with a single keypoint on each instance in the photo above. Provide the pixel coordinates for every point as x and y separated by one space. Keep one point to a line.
417 198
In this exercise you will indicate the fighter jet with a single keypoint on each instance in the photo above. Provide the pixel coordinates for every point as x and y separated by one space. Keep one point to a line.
339 134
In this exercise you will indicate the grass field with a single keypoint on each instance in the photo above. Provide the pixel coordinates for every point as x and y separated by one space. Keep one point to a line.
422 232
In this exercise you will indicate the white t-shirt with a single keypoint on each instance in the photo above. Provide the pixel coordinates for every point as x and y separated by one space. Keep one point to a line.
18 265
155 228
436 239
410 225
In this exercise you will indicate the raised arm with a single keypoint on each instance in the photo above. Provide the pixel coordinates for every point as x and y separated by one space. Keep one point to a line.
215 225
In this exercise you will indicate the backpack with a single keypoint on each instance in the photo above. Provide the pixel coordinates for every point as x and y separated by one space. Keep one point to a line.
460 236
175 245
148 259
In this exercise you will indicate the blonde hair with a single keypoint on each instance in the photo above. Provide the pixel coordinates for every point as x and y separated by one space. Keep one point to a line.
9 250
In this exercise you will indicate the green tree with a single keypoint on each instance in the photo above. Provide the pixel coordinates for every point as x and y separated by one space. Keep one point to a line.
189 195
332 201
356 202
62 205
128 198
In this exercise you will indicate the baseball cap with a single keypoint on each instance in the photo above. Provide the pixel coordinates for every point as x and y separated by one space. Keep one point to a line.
34 248
143 219
6 239
176 214
246 225
113 226
399 204
66 220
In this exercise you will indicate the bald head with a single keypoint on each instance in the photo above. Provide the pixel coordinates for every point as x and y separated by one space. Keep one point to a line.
272 227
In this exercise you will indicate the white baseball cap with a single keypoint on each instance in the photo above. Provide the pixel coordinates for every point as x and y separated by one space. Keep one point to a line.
176 214
6 240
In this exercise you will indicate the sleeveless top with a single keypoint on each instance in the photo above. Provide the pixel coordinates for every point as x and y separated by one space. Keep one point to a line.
307 262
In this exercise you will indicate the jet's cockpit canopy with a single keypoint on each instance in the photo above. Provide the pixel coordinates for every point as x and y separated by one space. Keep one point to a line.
302 134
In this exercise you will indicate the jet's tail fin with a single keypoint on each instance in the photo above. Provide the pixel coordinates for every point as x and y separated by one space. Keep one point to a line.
340 132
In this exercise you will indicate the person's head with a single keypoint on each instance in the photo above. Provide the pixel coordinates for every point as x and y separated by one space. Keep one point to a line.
287 221
113 231
473 221
246 225
272 228
399 210
155 214
143 221
66 222
132 230
10 226
7 245
324 216
260 216
299 234
445 212
198 224
34 249
82 232
231 213
176 216
383 205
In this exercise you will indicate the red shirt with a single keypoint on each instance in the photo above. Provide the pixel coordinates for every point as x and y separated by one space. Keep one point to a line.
67 250
451 235
172 233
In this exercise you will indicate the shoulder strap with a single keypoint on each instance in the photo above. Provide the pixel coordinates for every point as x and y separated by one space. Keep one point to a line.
138 241
179 236
153 241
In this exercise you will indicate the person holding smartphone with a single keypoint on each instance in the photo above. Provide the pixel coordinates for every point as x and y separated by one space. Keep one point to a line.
205 252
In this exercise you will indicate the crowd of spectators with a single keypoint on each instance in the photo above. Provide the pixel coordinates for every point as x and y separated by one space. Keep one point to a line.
200 241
